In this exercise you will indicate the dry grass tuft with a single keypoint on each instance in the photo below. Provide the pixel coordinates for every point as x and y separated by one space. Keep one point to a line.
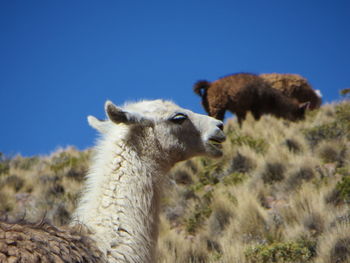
334 246
273 172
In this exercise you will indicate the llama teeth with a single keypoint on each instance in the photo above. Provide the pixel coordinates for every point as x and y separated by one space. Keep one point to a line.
215 143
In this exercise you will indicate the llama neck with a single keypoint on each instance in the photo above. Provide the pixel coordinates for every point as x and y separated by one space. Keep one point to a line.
280 105
121 204
284 107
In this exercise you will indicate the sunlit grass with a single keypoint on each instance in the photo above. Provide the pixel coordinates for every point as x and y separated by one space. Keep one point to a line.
280 193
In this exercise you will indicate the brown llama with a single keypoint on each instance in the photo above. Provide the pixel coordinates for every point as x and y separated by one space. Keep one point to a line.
243 92
294 86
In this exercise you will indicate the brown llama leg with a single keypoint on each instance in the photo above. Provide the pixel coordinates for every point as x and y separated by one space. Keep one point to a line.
256 115
240 117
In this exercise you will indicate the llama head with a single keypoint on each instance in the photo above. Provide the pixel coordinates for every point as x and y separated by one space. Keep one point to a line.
299 112
162 130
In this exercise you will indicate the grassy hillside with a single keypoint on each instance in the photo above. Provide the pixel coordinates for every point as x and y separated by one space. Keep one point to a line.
281 193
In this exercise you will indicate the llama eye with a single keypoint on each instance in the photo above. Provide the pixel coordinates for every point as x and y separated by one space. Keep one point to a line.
179 118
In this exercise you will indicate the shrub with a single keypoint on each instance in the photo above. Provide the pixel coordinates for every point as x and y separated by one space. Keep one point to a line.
343 187
219 219
188 193
195 256
74 167
342 219
210 174
62 161
212 245
340 253
342 112
61 215
4 167
333 152
234 178
55 190
293 146
201 212
241 164
7 203
4 164
190 164
259 145
305 173
25 163
297 178
172 213
14 181
322 132
77 172
182 177
314 223
281 252
344 171
336 129
334 197
328 153
274 172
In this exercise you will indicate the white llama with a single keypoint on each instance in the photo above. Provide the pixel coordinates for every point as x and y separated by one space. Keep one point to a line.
140 143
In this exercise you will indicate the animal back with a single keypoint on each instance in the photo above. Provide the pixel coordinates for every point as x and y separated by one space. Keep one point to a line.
44 243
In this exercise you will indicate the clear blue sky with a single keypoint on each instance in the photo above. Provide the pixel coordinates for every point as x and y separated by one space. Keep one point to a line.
60 60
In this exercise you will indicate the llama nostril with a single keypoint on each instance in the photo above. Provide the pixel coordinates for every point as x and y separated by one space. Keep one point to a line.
221 126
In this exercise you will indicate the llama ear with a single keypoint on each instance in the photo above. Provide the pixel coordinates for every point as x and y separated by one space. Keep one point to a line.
114 113
318 93
117 115
97 124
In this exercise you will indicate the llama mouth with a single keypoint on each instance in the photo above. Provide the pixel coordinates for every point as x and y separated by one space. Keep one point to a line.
214 145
